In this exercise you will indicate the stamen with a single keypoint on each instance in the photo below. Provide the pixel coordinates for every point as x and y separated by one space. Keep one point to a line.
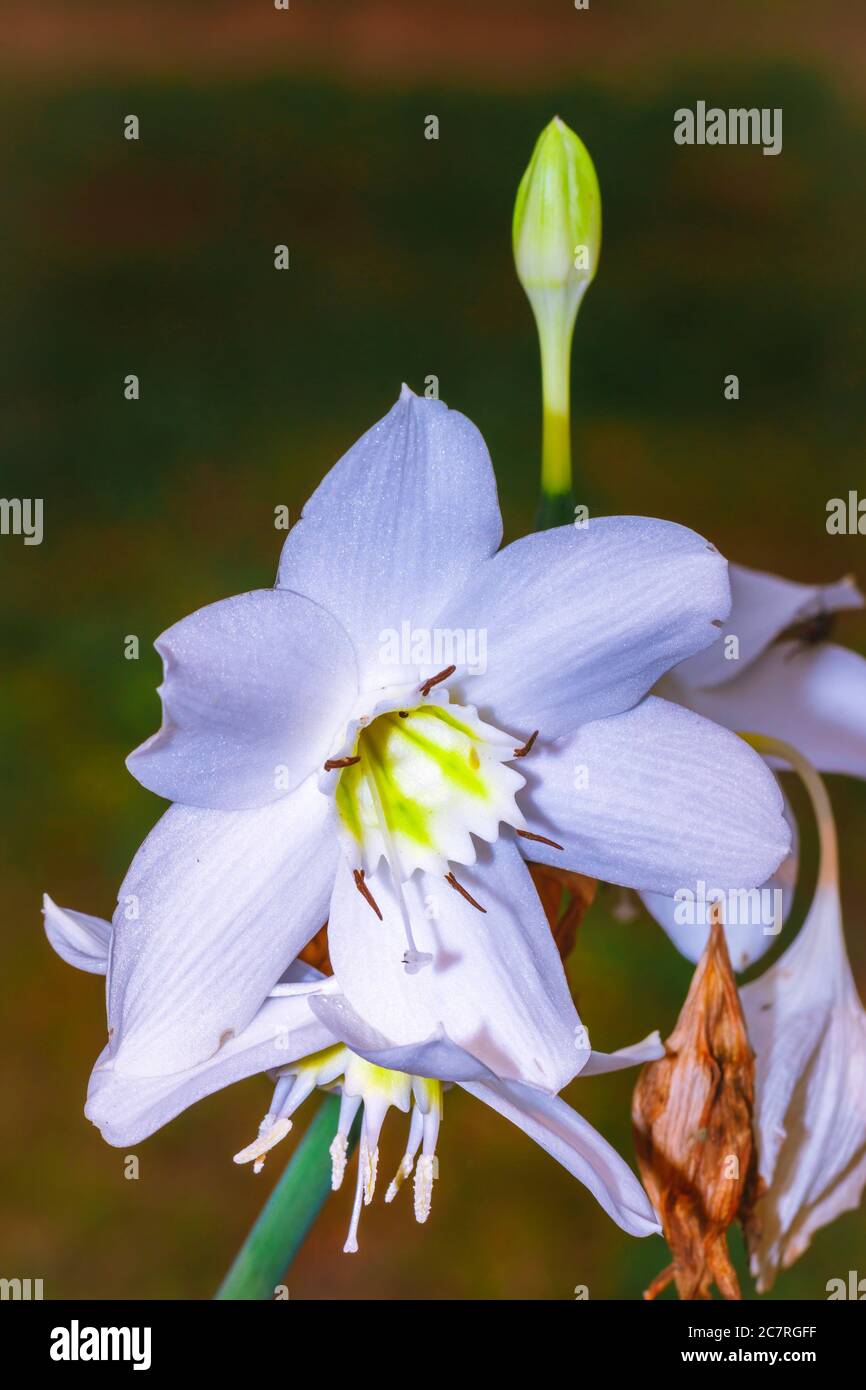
339 1149
542 839
426 1170
434 680
451 880
339 1152
265 1141
341 762
525 748
407 1162
351 1246
370 1161
360 884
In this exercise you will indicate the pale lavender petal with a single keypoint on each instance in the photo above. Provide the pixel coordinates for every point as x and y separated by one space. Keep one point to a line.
256 689
762 607
126 1109
224 901
580 624
492 980
813 697
574 1143
81 940
655 798
396 527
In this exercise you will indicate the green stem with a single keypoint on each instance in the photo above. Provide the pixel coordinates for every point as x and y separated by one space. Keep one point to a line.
288 1213
555 314
556 419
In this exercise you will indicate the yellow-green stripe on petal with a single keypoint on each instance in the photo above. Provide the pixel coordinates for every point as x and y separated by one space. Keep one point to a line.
427 779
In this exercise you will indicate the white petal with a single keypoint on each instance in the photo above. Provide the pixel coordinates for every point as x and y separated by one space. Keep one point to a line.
78 938
579 624
574 1143
396 527
655 798
493 981
752 917
813 697
436 1056
649 1049
126 1109
808 1030
762 607
256 688
225 900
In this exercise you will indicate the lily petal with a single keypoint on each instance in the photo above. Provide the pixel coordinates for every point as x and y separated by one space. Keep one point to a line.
436 1056
649 1049
256 688
215 906
492 980
813 697
78 938
396 527
762 606
580 624
126 1109
574 1143
751 923
656 798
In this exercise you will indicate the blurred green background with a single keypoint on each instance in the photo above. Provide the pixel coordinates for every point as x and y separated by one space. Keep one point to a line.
156 257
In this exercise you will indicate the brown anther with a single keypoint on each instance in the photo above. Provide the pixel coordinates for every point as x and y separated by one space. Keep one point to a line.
403 713
542 839
526 747
340 762
358 875
434 680
458 887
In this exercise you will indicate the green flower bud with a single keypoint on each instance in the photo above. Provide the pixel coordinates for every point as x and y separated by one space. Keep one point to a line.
557 237
557 215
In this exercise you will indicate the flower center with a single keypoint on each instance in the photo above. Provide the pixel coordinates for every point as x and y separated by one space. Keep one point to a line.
419 780
376 1089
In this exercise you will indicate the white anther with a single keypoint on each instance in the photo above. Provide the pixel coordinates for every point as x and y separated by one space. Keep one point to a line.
427 1169
265 1141
370 1163
339 1151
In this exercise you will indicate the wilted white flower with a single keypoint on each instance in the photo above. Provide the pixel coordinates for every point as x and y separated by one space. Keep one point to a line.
808 1030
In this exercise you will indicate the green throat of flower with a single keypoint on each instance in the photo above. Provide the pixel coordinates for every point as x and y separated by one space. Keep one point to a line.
419 782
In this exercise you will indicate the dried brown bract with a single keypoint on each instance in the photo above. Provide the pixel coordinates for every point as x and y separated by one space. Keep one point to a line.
692 1118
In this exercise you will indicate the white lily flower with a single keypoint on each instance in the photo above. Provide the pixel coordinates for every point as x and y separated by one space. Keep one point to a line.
808 1030
323 768
787 681
300 1034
